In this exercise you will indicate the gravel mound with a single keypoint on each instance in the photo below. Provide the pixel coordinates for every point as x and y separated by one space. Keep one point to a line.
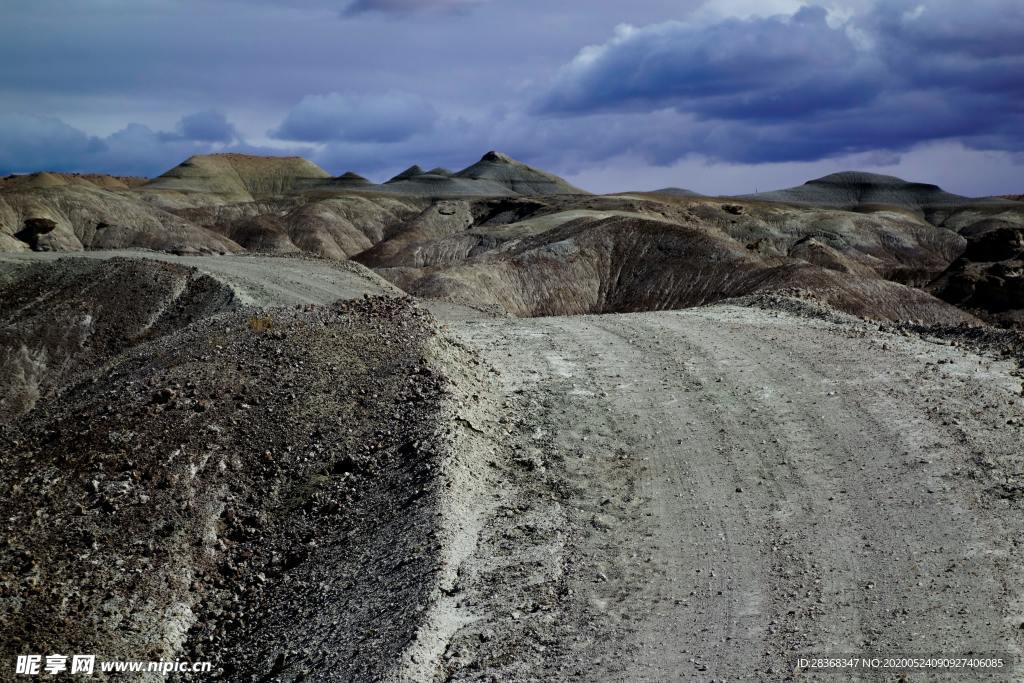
61 320
264 489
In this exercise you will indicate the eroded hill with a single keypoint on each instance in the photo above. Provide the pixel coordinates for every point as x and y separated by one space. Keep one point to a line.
503 236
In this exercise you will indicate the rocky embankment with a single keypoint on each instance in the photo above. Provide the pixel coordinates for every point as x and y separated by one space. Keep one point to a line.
269 489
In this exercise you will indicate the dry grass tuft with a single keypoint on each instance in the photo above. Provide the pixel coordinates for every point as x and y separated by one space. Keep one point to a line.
259 325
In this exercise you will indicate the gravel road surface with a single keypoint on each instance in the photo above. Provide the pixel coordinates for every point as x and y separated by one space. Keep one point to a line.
709 494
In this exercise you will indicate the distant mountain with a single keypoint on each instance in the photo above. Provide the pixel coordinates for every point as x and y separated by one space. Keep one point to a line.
854 189
495 175
238 177
47 179
216 179
352 179
676 192
410 172
517 176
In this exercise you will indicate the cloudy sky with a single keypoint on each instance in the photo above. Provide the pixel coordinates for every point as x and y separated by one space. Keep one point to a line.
726 96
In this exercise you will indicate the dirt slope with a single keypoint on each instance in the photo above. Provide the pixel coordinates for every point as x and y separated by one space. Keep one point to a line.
215 508
270 489
604 263
61 319
255 280
61 315
706 494
76 216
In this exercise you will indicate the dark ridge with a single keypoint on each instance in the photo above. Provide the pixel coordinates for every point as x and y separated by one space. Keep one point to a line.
352 178
855 189
677 192
498 157
410 172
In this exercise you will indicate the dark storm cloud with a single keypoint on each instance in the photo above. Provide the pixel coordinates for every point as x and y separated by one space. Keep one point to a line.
979 30
31 143
262 56
386 117
779 67
408 6
802 88
964 47
398 81
207 126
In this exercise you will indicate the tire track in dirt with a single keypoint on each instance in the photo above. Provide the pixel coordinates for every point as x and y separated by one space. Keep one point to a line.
783 486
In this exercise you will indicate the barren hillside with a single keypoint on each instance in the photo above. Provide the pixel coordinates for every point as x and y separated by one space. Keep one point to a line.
274 487
484 426
503 236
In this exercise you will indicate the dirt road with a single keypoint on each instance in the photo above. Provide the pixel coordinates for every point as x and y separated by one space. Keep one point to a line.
707 494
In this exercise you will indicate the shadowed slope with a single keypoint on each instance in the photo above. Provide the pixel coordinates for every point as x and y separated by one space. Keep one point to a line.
62 319
854 189
625 263
989 277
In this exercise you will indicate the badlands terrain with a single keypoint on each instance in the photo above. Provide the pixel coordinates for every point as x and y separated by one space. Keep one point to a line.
482 425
